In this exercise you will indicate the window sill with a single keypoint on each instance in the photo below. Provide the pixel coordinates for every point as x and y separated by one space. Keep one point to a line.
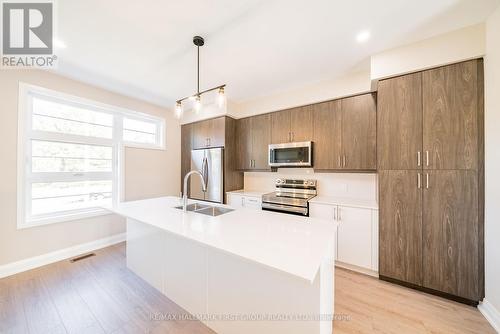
62 218
160 147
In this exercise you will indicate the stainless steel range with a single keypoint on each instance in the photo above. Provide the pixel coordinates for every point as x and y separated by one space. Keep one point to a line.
291 196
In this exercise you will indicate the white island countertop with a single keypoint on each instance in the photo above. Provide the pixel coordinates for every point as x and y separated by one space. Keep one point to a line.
291 244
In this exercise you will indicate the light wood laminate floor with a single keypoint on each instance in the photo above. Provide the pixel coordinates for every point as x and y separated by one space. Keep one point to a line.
100 295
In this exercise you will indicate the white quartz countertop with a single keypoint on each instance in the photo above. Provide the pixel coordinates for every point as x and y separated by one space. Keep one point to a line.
291 244
249 193
357 203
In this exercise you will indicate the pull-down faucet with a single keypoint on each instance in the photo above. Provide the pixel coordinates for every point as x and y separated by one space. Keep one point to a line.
184 190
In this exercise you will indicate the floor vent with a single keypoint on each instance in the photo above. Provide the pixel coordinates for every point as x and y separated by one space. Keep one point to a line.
75 259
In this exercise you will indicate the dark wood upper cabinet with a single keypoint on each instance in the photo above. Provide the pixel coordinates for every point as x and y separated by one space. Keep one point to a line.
280 127
345 134
450 232
301 124
400 224
244 137
292 125
186 146
209 133
261 138
327 135
359 132
399 123
450 107
200 134
253 135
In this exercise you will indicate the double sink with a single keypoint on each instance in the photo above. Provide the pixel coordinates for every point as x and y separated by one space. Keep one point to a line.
205 209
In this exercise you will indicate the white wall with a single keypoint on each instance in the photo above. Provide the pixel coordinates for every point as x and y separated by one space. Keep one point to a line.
347 185
452 47
492 165
349 84
148 173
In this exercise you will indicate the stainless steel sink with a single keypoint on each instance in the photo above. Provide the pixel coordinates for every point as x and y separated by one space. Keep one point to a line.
194 207
214 211
208 210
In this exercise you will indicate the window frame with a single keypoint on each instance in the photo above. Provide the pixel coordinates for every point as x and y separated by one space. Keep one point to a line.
24 157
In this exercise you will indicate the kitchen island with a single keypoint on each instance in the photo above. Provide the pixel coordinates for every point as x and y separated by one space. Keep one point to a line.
244 271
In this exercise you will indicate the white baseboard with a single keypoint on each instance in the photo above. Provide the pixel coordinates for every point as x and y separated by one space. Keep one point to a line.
360 270
59 255
490 313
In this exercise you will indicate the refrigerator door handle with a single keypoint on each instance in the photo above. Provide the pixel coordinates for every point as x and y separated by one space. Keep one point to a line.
205 171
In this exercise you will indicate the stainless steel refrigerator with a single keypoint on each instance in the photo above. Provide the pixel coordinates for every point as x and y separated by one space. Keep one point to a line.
210 162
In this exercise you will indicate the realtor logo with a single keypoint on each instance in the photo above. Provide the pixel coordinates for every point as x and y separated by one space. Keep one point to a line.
27 34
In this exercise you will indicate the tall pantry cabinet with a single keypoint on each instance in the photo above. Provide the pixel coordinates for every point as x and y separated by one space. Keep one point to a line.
431 180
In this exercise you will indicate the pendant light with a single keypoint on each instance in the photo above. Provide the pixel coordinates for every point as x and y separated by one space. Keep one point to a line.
221 98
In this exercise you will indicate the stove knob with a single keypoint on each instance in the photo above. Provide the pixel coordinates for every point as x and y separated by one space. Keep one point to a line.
278 181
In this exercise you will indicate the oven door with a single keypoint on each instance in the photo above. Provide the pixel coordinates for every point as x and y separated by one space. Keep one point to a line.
290 155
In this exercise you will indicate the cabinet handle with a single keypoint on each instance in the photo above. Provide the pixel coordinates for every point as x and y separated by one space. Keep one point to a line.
242 201
427 181
293 136
335 213
344 160
250 163
419 181
340 162
253 163
427 158
339 213
419 159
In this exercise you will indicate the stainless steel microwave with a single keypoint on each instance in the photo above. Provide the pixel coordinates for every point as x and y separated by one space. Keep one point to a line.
291 154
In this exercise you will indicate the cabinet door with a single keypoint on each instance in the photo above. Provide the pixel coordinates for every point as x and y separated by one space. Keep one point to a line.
450 228
217 132
324 211
301 123
400 225
450 96
235 200
399 122
252 202
186 144
261 138
327 135
355 236
280 127
244 143
201 132
359 132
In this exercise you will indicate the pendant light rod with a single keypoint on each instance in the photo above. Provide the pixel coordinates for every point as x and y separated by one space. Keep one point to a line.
198 88
201 93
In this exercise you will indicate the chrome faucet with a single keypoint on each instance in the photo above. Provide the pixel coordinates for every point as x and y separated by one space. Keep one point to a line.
184 190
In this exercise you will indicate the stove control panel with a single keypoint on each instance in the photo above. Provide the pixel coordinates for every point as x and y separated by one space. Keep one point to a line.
294 183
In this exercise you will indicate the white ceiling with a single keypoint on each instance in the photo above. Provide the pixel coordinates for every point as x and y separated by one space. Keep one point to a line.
257 47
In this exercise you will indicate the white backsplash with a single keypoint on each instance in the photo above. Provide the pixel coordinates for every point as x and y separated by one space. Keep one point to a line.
349 185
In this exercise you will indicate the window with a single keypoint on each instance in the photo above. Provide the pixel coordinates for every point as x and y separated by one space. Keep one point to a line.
69 154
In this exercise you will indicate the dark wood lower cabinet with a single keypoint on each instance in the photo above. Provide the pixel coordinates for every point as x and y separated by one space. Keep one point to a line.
430 231
400 226
450 231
